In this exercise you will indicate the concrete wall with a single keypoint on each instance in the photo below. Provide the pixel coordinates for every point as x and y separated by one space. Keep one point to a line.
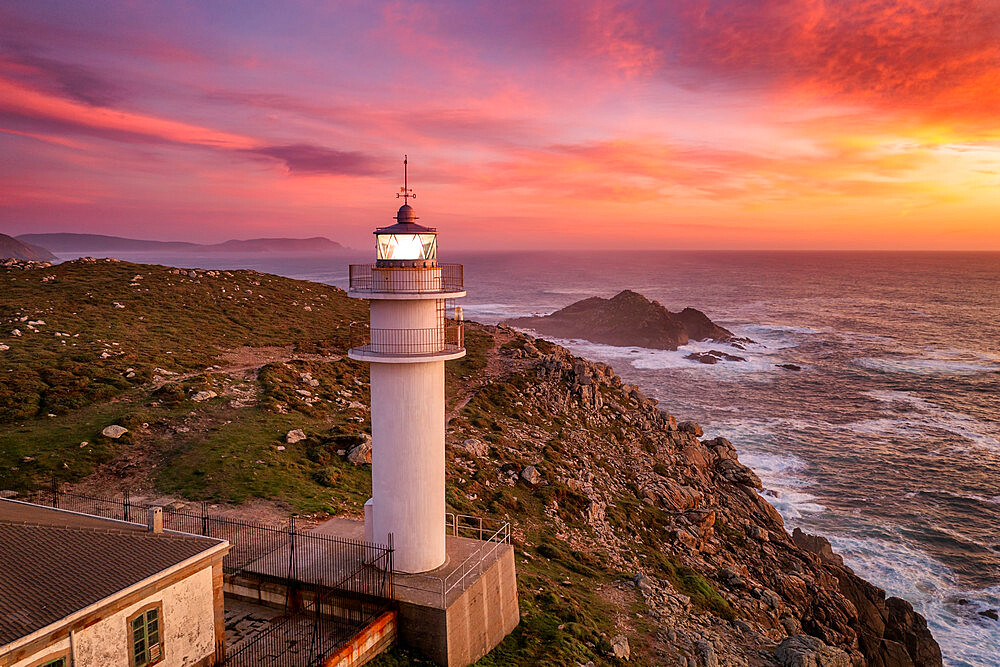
486 613
408 462
473 624
187 627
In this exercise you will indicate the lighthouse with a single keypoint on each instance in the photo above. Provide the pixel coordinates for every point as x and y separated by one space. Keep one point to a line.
408 339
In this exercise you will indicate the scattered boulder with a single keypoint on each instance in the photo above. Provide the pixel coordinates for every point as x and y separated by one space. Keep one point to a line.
362 453
620 647
114 431
295 435
475 447
202 396
531 475
806 651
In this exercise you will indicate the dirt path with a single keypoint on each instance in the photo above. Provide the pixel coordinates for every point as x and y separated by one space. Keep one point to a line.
246 362
495 368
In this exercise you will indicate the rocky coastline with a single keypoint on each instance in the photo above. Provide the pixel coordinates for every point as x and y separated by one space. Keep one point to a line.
789 599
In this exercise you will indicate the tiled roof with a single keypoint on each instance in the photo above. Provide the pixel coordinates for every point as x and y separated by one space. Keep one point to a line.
50 571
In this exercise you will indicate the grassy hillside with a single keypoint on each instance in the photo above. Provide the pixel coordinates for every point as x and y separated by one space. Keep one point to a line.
90 343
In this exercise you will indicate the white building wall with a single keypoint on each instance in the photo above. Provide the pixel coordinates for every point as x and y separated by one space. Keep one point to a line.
52 650
188 627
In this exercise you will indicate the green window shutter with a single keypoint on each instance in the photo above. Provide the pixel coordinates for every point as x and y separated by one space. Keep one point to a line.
146 647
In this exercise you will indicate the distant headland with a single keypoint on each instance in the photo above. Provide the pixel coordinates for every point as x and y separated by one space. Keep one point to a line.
97 243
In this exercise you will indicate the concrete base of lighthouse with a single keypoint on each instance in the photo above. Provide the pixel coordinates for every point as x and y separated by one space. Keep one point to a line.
469 620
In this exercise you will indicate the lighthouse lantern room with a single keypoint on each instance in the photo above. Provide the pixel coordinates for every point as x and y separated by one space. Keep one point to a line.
408 339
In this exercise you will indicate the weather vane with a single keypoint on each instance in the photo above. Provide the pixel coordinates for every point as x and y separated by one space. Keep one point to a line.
405 192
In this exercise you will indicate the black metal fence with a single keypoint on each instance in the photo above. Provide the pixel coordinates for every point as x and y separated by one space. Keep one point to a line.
334 586
306 637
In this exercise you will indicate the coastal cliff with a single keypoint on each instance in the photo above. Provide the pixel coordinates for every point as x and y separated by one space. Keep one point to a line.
628 318
637 537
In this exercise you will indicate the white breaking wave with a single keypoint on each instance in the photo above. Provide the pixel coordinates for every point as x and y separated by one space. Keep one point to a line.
966 638
490 313
932 360
759 359
952 612
927 416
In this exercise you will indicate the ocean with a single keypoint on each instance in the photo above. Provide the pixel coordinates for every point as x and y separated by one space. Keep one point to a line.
887 441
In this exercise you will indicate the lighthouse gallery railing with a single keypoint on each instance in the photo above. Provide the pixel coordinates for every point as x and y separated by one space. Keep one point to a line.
450 337
408 280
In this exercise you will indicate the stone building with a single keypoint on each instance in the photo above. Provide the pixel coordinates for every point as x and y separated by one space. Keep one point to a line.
83 591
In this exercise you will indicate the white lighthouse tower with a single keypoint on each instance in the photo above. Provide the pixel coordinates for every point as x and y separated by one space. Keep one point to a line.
409 339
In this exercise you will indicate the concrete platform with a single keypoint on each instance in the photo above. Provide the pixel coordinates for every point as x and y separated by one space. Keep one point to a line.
458 612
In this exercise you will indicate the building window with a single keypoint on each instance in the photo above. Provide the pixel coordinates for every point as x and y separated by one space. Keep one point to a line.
58 659
147 634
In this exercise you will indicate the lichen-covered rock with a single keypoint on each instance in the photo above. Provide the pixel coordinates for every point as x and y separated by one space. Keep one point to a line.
806 651
475 447
114 431
531 475
620 648
362 453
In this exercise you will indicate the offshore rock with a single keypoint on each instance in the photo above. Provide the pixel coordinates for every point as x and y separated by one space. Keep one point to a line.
628 318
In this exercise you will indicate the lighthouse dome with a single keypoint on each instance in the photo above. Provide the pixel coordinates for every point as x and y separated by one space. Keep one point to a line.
406 214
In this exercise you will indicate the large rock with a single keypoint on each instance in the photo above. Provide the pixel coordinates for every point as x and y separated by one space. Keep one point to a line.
114 431
626 319
475 447
362 453
806 651
202 396
531 475
620 647
295 435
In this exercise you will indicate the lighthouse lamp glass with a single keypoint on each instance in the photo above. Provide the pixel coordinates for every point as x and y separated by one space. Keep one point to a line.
406 246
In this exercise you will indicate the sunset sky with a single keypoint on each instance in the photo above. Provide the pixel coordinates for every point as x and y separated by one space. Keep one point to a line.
798 124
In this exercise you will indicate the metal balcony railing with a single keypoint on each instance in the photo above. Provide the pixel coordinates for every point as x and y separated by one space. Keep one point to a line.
407 342
494 535
426 280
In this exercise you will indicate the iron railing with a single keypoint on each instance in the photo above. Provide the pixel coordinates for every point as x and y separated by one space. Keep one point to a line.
304 638
450 337
364 278
495 535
